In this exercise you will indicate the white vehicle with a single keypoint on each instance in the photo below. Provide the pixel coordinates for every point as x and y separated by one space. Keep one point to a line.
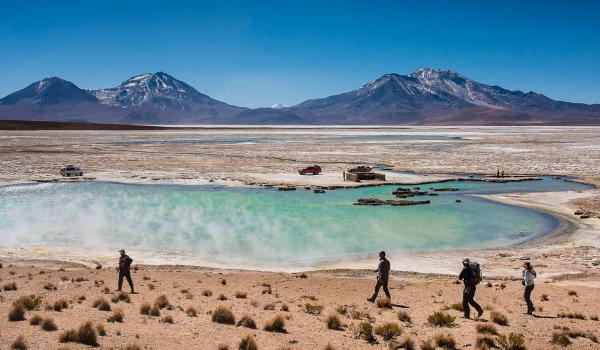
70 170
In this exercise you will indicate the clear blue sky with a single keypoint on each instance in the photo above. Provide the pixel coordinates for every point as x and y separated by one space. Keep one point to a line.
265 52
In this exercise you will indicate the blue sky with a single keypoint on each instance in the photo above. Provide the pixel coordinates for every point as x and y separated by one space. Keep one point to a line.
265 52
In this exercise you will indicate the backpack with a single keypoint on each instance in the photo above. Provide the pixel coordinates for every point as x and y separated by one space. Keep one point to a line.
476 269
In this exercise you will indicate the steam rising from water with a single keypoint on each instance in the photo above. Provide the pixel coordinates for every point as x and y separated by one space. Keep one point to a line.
258 228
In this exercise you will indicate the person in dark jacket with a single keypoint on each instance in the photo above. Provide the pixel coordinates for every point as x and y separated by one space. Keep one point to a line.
529 275
470 278
125 270
383 273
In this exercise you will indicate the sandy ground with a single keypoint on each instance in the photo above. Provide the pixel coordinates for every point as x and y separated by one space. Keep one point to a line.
567 260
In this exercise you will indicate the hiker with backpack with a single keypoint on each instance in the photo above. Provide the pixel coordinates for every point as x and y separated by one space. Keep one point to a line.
529 275
471 276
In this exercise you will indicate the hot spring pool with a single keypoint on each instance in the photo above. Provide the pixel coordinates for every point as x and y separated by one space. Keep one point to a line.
265 227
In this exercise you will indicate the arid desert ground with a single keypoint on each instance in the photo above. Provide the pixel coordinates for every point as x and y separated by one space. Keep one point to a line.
567 261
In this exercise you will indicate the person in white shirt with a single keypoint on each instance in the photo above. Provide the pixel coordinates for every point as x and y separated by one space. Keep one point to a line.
529 275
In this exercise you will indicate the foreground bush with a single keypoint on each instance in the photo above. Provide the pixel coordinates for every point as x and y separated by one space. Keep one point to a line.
29 302
247 321
364 331
514 341
16 313
277 324
19 344
499 318
483 328
223 315
247 343
441 319
48 324
389 330
334 323
85 334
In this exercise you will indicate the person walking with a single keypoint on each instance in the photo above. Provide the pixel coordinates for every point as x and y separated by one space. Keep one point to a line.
124 270
529 275
471 276
383 274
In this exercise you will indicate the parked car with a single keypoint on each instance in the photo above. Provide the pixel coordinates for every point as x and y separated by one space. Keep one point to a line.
313 170
71 170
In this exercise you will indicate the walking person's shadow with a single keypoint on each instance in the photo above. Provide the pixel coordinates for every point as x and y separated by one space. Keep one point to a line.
401 306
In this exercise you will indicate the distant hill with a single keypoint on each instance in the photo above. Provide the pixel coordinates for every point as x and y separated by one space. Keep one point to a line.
424 97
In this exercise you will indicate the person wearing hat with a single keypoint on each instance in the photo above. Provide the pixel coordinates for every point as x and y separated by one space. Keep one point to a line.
383 273
529 275
124 270
470 277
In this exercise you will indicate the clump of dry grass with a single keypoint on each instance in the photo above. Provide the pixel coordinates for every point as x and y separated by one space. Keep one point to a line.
101 304
224 282
101 330
132 347
223 315
16 313
483 328
406 344
360 315
191 311
285 308
333 322
49 286
485 342
389 330
364 330
572 293
86 334
19 343
35 320
457 307
10 287
121 297
383 303
30 302
441 319
544 297
117 316
59 305
241 295
48 324
167 319
247 343
162 302
560 339
313 309
514 341
444 341
404 317
222 347
269 306
207 293
222 297
499 318
246 321
145 308
276 324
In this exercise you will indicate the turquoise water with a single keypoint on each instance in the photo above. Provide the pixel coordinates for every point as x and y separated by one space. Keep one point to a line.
264 227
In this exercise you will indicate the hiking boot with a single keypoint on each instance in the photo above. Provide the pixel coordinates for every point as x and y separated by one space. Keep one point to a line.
372 300
479 313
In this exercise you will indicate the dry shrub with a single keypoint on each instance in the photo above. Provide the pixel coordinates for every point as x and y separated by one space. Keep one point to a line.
276 324
383 303
145 308
35 320
222 297
247 343
167 319
222 346
514 341
19 344
572 293
333 322
444 341
406 344
241 295
483 328
269 306
246 321
68 336
389 330
101 304
117 316
16 313
364 330
49 286
132 347
313 309
485 342
404 317
161 302
441 319
359 315
223 315
560 339
224 282
85 334
59 305
10 287
48 324
544 297
30 302
499 318
207 293
191 312
286 308
101 330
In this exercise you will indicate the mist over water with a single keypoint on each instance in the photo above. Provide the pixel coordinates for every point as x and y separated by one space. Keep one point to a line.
261 227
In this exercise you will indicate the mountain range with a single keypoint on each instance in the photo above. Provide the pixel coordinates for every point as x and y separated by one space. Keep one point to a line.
424 97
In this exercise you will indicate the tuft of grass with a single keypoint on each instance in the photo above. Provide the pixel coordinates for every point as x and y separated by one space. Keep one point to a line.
246 321
19 343
483 328
59 305
286 308
389 330
269 306
101 304
544 297
132 347
117 316
572 293
161 302
10 287
48 324
101 330
191 311
16 313
383 303
444 341
35 320
247 343
458 307
30 302
276 324
49 286
145 308
364 331
241 295
222 297
404 317
560 339
68 336
573 315
223 315
499 318
333 322
512 341
441 319
222 347
313 309
485 342
207 293
167 319
406 344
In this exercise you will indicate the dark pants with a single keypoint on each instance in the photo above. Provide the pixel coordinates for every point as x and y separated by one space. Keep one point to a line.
468 295
127 275
527 297
382 283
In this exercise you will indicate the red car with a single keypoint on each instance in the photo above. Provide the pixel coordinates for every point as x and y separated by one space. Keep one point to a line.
314 170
